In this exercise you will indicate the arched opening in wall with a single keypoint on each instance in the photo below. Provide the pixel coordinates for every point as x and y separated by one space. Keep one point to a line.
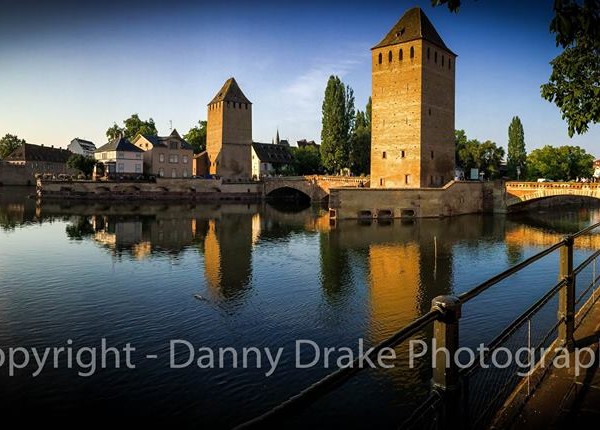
407 213
102 190
289 196
385 213
544 206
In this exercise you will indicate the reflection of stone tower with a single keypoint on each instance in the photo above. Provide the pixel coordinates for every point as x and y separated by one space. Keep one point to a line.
413 106
229 133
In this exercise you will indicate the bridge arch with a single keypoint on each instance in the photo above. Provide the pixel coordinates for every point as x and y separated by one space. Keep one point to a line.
289 192
521 195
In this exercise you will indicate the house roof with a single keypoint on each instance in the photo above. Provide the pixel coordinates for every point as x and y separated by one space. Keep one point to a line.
119 144
272 153
162 141
85 144
230 92
413 25
31 152
302 143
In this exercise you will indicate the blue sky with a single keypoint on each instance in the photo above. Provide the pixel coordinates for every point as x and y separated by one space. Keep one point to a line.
70 69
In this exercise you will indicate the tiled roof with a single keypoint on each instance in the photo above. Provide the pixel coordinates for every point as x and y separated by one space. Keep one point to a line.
272 153
31 152
413 25
86 144
230 92
162 140
119 144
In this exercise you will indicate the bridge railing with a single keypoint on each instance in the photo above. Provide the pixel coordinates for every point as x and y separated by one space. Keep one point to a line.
471 396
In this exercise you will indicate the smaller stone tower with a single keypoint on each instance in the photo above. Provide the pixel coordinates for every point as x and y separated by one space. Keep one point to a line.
229 133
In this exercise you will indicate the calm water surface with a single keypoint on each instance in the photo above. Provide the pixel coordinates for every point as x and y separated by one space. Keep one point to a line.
266 276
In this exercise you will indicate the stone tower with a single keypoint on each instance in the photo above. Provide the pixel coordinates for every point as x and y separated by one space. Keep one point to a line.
412 142
229 133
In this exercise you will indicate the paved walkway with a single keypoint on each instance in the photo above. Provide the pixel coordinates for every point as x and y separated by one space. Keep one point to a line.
564 399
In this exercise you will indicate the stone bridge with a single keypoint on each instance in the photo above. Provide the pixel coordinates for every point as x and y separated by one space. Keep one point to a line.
518 193
314 186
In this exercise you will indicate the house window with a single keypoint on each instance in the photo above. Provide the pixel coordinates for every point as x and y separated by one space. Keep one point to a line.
104 155
384 155
161 172
185 173
412 52
173 145
184 159
138 168
407 179
173 173
161 158
173 158
120 168
138 156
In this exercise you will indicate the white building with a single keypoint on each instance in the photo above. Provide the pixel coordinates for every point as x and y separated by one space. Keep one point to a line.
120 156
269 158
82 147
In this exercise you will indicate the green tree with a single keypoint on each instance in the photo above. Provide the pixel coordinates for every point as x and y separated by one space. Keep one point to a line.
360 142
565 163
197 137
82 163
574 84
338 117
133 126
517 155
460 140
472 154
8 144
307 160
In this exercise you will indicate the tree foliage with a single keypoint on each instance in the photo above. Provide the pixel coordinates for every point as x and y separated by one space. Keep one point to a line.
337 122
360 142
473 154
8 144
196 137
574 84
133 126
563 163
517 155
307 160
82 163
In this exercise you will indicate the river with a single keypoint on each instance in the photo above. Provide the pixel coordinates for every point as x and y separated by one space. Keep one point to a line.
167 277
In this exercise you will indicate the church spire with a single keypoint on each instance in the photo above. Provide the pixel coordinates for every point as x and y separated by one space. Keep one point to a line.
277 137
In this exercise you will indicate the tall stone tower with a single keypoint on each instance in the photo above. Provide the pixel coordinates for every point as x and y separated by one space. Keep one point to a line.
229 133
412 142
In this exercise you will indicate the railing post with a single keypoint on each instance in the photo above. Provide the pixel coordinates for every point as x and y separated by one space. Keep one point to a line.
566 298
446 380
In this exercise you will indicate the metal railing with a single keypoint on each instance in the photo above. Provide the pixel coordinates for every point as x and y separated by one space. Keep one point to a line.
471 396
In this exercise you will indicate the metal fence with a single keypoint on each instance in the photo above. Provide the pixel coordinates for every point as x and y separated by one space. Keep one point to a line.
472 396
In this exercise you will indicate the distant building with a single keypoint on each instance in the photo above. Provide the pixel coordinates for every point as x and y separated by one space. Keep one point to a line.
304 143
40 159
200 165
597 169
170 156
120 156
277 141
269 158
82 147
229 133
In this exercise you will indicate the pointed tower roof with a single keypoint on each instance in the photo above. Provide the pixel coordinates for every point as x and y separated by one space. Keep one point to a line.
413 25
175 134
230 92
277 137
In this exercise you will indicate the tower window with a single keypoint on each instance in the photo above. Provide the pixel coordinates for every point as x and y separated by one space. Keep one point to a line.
407 179
227 104
402 154
381 182
428 50
401 54
442 61
380 58
412 52
429 111
246 105
390 56
435 57
384 155
449 64
432 155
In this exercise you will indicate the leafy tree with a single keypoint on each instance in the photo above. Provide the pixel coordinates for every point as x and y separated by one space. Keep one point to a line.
460 139
564 163
82 163
8 144
307 160
133 126
574 84
360 142
517 155
472 154
197 137
338 117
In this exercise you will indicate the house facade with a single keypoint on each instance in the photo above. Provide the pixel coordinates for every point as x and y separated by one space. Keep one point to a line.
120 156
40 159
268 159
82 147
170 156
